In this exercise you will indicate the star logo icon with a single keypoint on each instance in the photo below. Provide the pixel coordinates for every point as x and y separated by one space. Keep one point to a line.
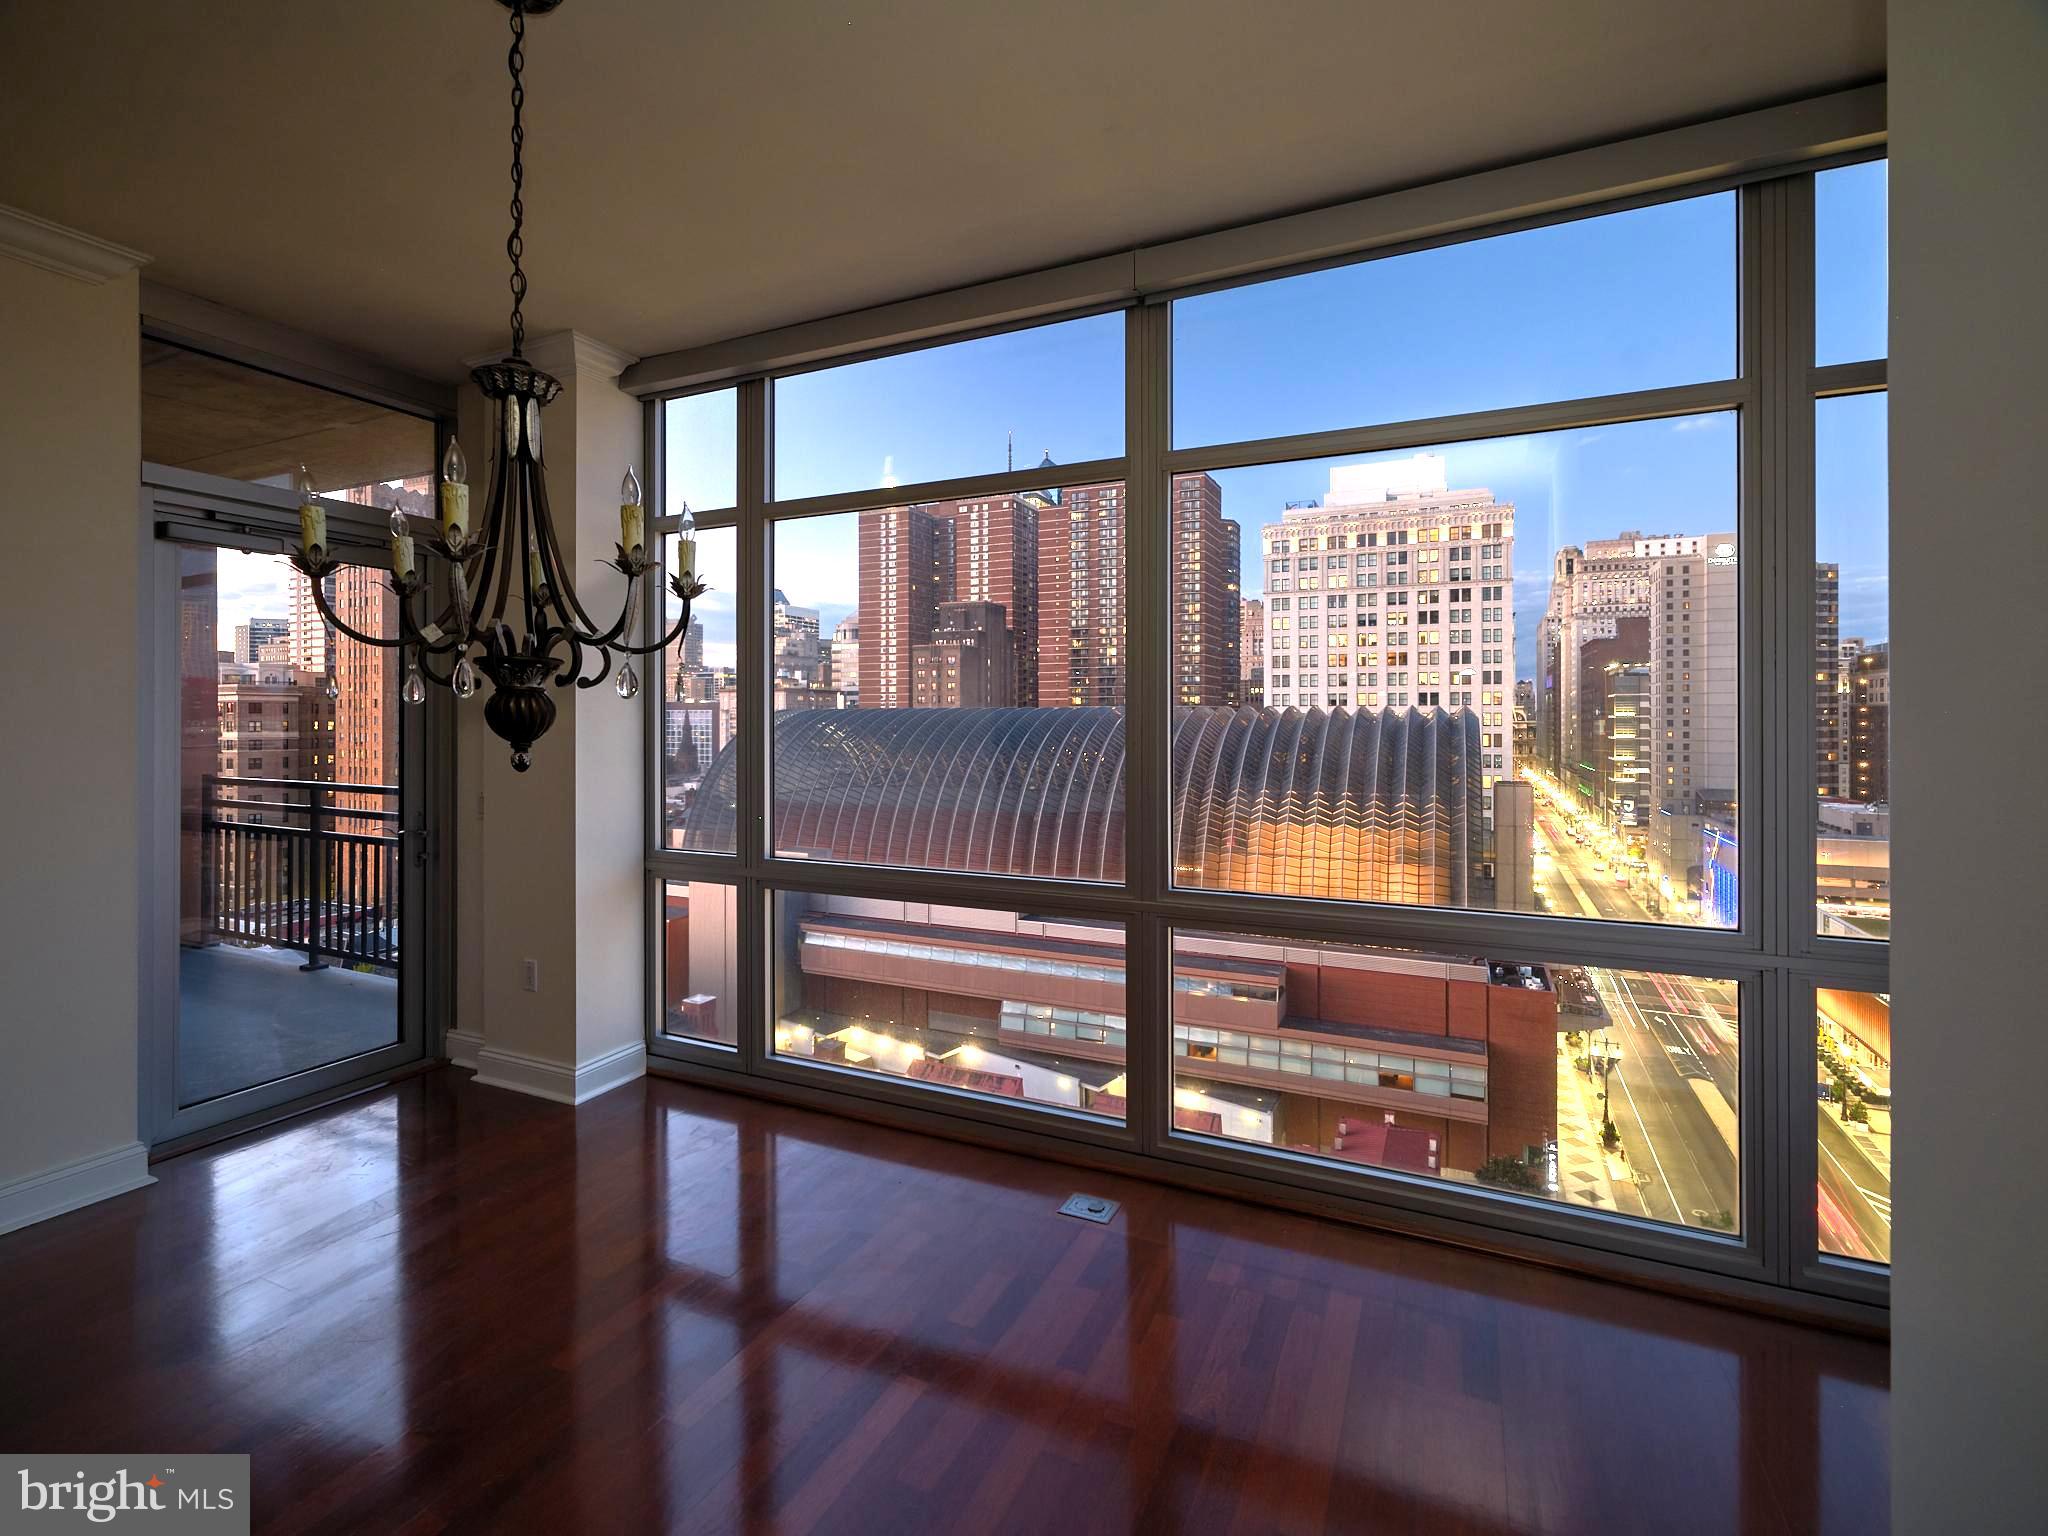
154 1481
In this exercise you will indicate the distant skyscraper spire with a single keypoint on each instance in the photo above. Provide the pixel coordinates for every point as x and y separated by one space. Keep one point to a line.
1010 455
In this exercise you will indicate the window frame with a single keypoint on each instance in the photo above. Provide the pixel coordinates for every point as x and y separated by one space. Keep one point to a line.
1773 954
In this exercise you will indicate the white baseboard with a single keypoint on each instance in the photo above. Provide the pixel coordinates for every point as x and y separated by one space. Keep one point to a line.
462 1046
499 1068
82 1182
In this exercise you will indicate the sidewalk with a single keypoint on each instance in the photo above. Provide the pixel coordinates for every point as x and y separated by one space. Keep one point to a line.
1587 1173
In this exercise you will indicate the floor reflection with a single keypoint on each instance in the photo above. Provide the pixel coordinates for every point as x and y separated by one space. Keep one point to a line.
674 1309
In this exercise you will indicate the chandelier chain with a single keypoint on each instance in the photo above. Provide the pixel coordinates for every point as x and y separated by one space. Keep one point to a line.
515 244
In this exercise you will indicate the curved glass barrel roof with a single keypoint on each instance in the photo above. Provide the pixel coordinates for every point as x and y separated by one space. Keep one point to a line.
1361 805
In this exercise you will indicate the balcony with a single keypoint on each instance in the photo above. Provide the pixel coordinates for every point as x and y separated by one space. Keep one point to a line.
290 956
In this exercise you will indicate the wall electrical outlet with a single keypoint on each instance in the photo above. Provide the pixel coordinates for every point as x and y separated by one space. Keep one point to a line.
529 975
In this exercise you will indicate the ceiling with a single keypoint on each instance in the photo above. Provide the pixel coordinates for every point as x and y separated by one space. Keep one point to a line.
704 169
201 413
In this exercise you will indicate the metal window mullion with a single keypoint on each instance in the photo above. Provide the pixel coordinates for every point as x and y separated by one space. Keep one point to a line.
1468 426
1397 923
755 987
956 488
710 517
1850 378
1770 718
654 468
1148 701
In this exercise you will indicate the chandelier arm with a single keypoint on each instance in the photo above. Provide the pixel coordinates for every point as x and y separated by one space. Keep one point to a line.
565 591
612 636
327 612
442 624
496 587
529 603
604 655
666 640
572 665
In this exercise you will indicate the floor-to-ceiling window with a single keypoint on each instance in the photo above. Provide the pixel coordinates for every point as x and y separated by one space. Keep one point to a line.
1332 729
289 921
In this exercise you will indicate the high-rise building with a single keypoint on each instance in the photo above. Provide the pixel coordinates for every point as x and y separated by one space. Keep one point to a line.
273 722
1395 591
1593 591
1607 645
1053 561
798 657
1828 683
993 543
1081 597
1251 659
899 580
1622 789
1867 724
966 664
363 747
254 634
846 660
1204 595
312 637
1694 768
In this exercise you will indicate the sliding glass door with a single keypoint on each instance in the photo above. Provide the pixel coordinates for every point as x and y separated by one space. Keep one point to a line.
290 828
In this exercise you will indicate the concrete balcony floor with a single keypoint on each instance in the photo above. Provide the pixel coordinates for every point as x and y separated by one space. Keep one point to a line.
249 1016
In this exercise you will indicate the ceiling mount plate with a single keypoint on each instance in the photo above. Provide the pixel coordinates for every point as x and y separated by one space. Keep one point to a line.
531 7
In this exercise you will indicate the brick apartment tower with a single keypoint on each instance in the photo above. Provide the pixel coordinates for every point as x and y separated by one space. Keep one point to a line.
1081 597
1205 595
899 580
1054 563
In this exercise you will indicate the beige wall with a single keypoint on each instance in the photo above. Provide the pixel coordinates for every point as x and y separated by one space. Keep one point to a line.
70 445
549 861
1969 341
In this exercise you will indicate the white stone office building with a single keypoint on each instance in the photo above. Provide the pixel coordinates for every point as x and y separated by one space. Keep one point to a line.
1396 592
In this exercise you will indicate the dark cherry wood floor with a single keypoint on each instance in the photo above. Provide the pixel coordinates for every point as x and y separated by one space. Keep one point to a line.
451 1308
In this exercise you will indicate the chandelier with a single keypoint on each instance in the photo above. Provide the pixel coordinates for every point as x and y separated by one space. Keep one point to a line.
509 610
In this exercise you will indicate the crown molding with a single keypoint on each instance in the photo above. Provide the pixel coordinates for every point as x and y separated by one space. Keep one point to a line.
67 252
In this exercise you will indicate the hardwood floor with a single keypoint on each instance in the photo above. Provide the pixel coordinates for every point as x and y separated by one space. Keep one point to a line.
451 1308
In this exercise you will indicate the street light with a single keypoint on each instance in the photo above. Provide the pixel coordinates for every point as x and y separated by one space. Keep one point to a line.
1609 1055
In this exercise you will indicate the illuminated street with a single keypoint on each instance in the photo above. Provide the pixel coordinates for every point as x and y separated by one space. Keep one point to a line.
1676 1086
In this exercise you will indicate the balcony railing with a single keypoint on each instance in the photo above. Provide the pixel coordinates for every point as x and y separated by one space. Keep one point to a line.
302 864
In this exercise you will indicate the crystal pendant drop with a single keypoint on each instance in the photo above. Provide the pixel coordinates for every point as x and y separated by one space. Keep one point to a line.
629 681
415 690
465 679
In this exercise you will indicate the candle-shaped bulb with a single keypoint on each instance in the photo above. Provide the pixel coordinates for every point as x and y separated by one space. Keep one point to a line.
454 496
312 517
632 516
401 546
686 542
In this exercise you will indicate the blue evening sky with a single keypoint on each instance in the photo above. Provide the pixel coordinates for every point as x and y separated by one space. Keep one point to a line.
1596 306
